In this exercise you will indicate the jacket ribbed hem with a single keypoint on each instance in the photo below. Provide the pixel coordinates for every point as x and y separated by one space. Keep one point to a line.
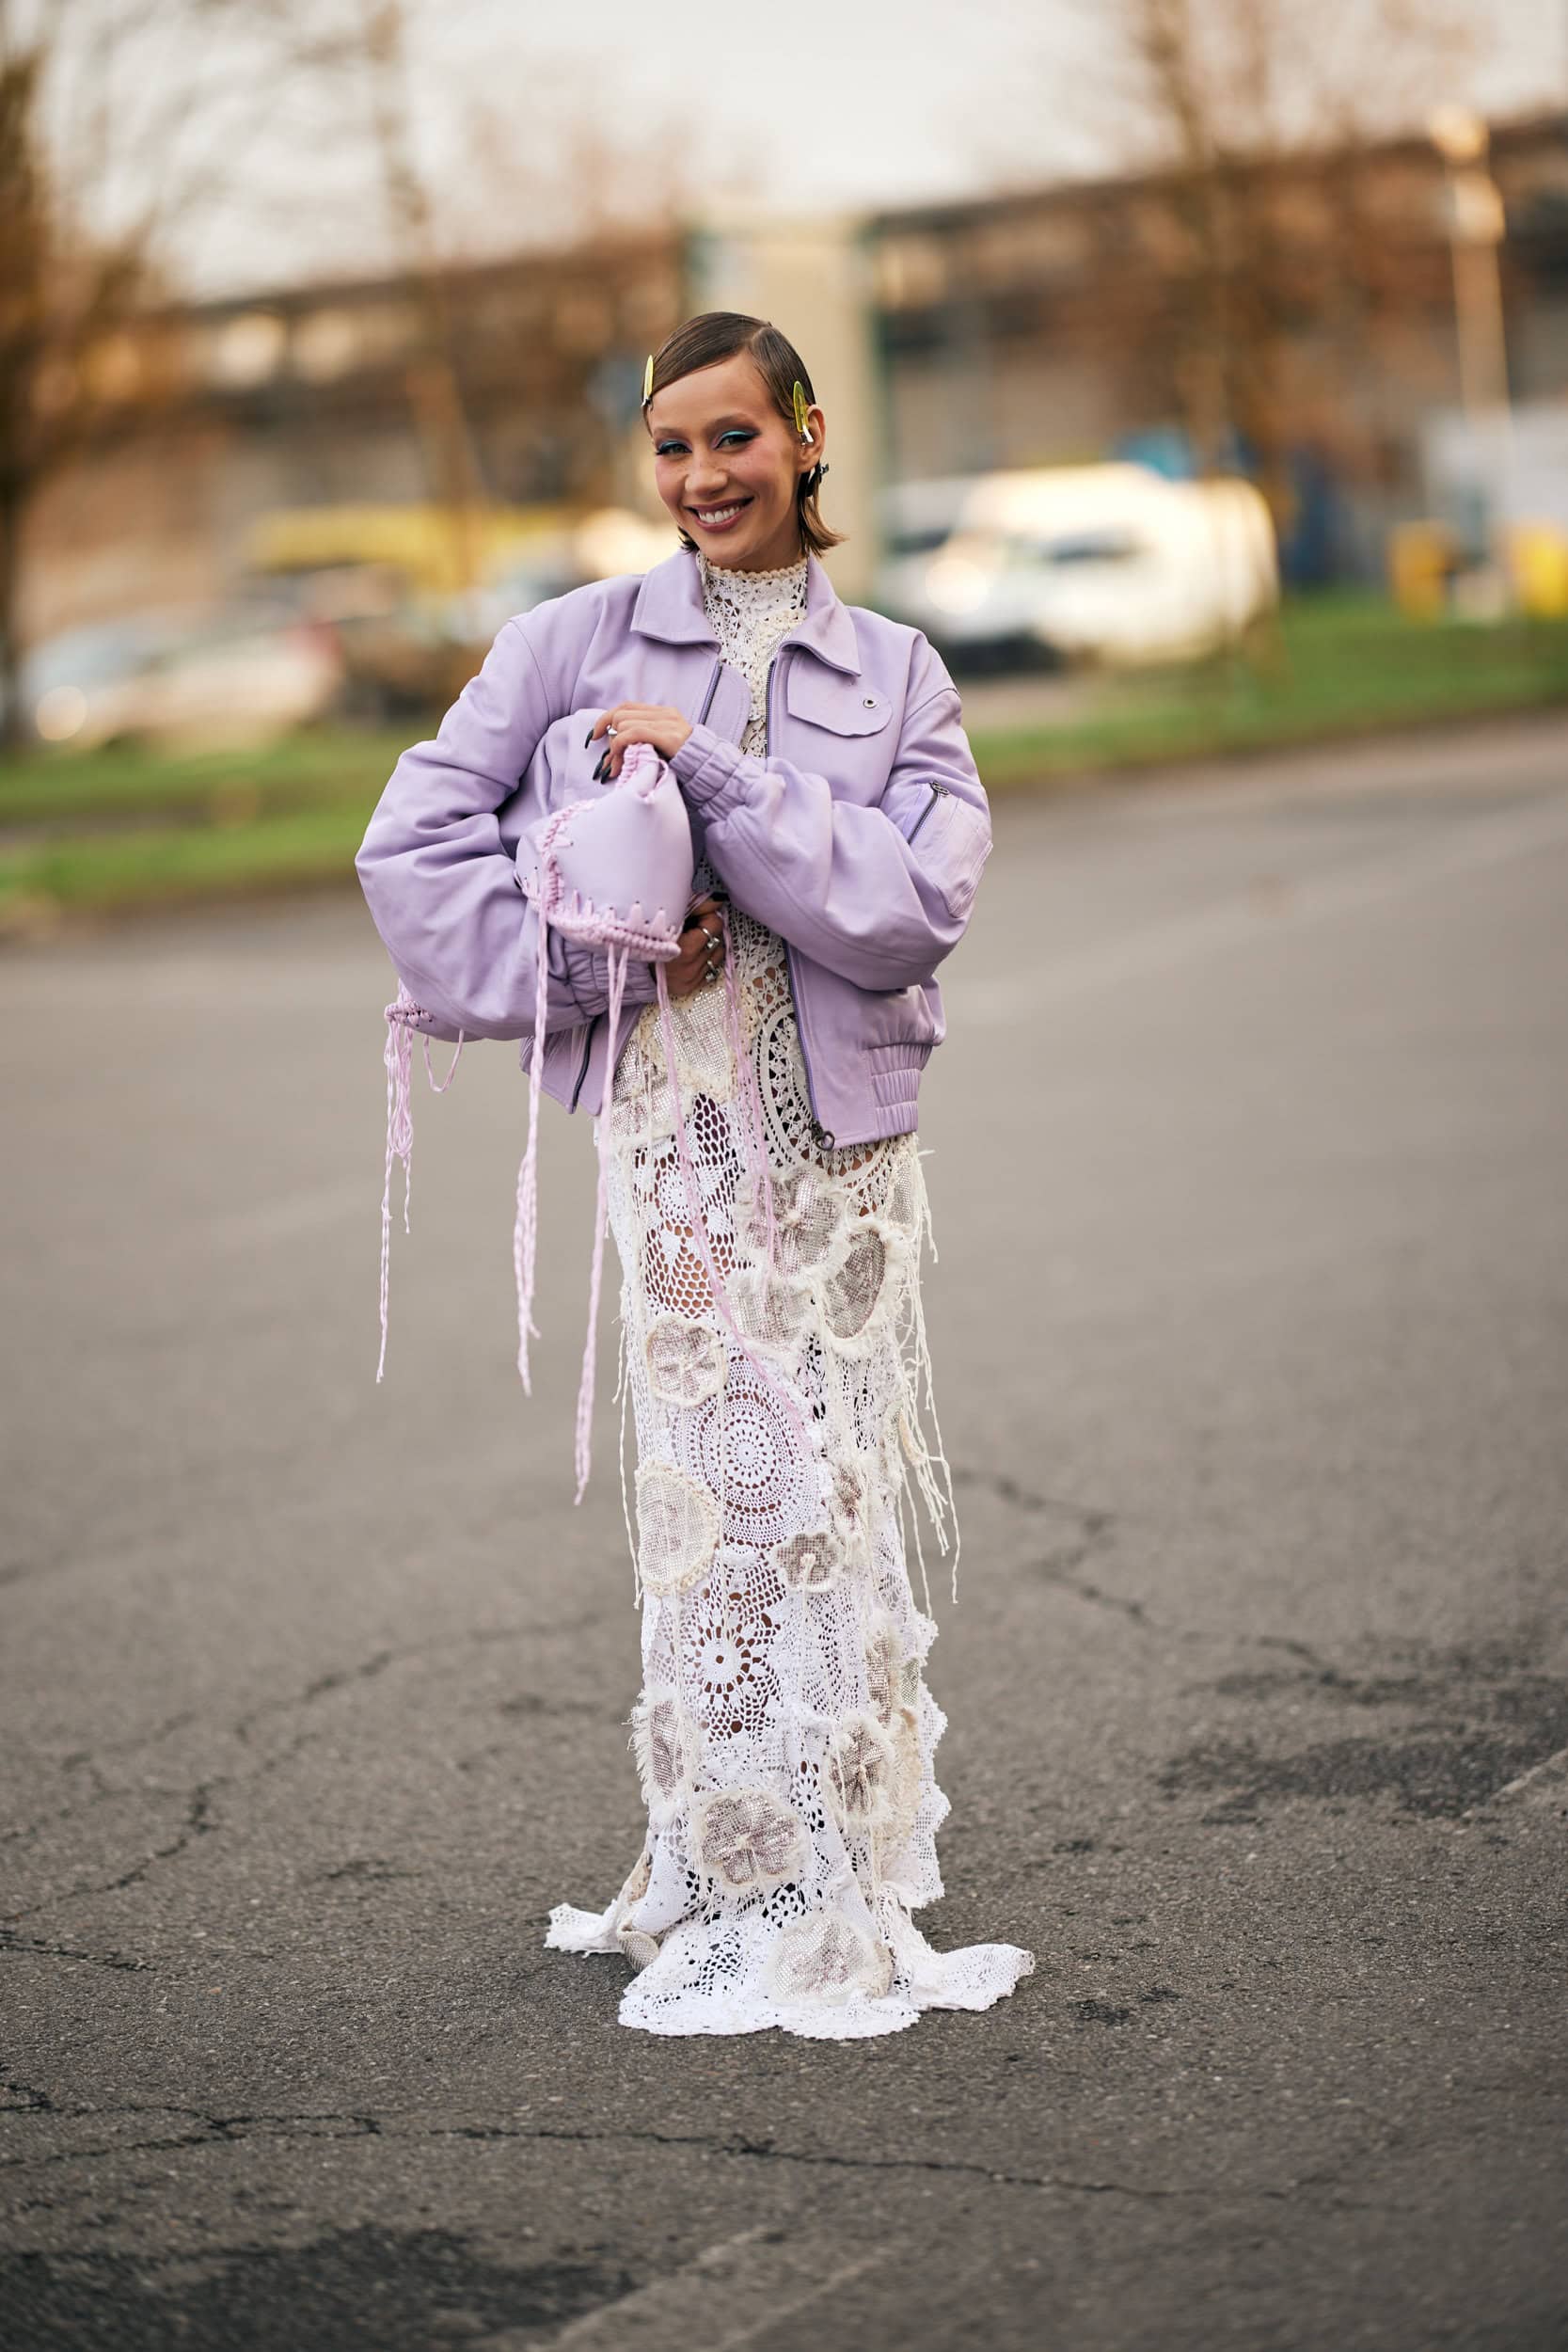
884 1102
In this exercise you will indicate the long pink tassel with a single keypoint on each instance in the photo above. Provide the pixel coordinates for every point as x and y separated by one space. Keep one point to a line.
601 1217
524 1232
397 1056
440 1088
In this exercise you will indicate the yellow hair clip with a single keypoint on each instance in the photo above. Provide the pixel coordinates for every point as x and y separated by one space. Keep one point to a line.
648 381
802 423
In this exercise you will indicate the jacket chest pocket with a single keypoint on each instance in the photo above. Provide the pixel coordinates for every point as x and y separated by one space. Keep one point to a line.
841 706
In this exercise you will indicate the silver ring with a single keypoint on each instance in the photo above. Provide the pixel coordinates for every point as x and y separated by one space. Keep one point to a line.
611 730
712 974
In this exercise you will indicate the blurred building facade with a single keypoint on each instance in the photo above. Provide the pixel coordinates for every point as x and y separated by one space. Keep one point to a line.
1023 329
518 391
1054 325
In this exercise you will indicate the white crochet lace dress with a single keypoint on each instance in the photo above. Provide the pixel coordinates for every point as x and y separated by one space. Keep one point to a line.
784 1733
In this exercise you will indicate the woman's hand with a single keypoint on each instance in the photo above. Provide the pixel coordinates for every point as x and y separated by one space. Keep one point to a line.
688 971
636 722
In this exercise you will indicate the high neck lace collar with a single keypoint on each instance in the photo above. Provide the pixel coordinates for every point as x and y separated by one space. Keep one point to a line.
753 592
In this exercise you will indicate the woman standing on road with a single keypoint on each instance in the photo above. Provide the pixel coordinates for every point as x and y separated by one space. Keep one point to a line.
768 1205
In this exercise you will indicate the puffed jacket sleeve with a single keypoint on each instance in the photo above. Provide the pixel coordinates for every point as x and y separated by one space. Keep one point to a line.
445 892
877 893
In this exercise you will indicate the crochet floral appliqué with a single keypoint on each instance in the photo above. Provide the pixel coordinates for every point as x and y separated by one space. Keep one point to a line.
668 1747
677 1528
746 1837
805 1219
851 1293
826 1957
686 1362
858 1773
810 1563
771 1311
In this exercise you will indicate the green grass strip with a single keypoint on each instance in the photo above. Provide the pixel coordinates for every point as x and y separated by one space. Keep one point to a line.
1334 668
114 830
158 864
214 787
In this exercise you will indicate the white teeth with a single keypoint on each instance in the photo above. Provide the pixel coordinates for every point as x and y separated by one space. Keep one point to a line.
715 514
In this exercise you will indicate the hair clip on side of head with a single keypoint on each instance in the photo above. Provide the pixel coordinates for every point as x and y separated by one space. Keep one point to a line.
648 381
803 421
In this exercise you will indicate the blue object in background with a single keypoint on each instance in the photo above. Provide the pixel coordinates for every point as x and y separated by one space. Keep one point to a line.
1165 449
1315 549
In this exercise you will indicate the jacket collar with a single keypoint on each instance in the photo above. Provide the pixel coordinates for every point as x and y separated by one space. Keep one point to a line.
670 606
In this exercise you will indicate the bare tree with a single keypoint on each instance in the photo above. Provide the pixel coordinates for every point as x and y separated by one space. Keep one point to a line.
121 121
435 386
1266 123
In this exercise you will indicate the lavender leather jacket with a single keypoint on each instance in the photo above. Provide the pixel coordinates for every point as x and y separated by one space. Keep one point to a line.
860 839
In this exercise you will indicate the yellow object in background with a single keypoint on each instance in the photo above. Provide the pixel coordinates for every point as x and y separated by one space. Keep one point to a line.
1422 559
427 544
1538 567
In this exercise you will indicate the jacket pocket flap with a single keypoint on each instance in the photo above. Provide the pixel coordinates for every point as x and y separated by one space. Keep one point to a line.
825 698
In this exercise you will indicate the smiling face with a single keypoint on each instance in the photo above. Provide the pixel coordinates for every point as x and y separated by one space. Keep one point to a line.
727 465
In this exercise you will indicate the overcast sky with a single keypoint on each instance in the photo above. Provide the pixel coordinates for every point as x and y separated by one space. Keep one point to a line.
859 102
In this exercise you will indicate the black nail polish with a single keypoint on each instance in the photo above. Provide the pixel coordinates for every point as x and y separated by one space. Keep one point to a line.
588 738
600 770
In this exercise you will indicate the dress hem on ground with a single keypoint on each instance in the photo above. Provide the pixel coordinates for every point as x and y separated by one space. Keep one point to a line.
974 1978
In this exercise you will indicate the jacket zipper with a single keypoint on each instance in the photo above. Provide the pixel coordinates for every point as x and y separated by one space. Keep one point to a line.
935 788
789 952
587 1040
587 1049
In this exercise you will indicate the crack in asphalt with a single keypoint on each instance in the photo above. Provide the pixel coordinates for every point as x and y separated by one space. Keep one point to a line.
1057 1567
104 1791
337 1678
1020 1497
28 2099
197 1823
35 1944
197 1798
767 2152
213 2131
234 2130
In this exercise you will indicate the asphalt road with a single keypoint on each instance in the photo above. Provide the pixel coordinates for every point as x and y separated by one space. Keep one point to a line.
1249 1161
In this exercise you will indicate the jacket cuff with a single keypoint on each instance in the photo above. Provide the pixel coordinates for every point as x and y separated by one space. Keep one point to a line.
587 975
705 764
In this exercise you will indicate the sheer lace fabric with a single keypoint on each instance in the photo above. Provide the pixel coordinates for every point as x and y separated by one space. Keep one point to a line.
784 1733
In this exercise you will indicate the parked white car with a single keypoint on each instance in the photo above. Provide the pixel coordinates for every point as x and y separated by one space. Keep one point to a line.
1108 562
237 675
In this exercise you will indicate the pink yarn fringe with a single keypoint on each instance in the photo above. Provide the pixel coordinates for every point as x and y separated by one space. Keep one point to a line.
601 1218
524 1232
398 1059
397 1056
